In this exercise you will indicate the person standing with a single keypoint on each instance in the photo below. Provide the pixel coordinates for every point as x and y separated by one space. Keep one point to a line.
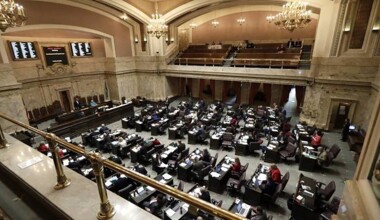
77 104
345 130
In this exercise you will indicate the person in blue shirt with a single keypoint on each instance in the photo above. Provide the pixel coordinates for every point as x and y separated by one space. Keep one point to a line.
93 103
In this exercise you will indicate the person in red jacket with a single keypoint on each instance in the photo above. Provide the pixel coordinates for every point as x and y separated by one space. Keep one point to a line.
275 173
236 166
316 139
43 148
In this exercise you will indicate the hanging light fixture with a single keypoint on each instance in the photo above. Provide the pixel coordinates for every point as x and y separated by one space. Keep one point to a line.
157 26
12 15
215 23
294 15
241 21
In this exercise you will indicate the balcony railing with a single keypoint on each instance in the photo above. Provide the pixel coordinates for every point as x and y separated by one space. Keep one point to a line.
106 209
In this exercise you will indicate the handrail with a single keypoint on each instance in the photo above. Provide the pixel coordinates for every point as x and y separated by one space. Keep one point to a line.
205 206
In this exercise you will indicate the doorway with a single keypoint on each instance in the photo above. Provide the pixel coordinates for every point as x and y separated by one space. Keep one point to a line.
342 114
65 100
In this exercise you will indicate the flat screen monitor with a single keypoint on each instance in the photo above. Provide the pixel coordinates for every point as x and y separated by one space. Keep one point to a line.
55 54
81 49
23 50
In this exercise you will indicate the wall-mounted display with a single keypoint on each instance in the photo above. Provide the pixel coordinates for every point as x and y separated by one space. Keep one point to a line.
81 49
55 54
23 50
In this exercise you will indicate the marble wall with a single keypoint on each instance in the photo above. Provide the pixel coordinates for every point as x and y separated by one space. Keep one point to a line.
320 100
10 99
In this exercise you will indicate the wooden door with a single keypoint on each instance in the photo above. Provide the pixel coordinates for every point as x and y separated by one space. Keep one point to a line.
65 100
343 110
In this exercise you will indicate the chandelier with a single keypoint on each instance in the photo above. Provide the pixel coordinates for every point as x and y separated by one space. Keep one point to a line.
241 21
12 15
294 15
157 26
215 23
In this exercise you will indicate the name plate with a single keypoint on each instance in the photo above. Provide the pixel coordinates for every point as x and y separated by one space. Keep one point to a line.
29 163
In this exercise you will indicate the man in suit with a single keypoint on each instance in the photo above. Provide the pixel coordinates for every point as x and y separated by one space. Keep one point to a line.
181 146
141 169
346 129
197 165
154 205
77 104
205 195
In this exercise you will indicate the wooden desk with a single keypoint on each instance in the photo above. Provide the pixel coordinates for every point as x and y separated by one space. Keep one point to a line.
304 206
78 126
247 208
253 193
218 184
307 162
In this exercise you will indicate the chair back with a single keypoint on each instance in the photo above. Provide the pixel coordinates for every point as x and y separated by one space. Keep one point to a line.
329 190
330 158
335 150
184 153
124 192
285 180
215 159
291 139
276 193
180 185
227 136
334 204
255 145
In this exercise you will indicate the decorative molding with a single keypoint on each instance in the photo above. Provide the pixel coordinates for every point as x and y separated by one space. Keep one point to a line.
338 28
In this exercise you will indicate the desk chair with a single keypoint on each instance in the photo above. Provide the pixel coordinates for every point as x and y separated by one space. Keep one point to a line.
335 150
271 199
284 180
326 192
254 146
199 176
331 208
288 151
227 141
214 159
236 181
125 192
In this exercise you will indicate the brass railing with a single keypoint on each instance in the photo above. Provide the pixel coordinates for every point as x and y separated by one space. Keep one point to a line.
106 209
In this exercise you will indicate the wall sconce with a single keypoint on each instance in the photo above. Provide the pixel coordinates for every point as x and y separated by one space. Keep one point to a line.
376 25
172 40
145 40
136 40
193 25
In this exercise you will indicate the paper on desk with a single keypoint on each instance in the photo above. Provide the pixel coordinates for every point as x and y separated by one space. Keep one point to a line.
170 212
224 169
150 188
214 174
183 164
262 177
225 165
166 176
162 181
299 198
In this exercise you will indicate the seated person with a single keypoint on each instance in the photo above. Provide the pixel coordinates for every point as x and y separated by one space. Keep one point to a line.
316 139
43 148
322 155
93 103
268 186
258 213
275 173
205 195
298 43
206 156
197 165
122 142
156 142
181 146
234 121
155 117
154 205
140 169
201 133
236 166
115 159
290 43
281 49
60 153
